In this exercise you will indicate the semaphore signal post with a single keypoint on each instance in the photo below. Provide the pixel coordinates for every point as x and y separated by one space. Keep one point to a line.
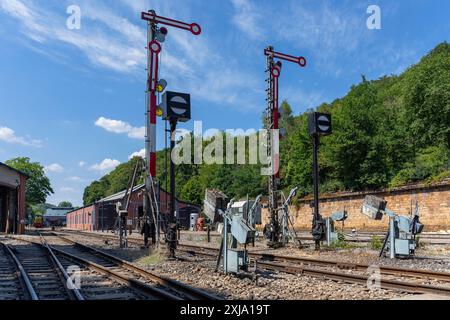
272 118
155 36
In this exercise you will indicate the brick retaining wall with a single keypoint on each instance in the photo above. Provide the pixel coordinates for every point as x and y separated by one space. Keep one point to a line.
434 204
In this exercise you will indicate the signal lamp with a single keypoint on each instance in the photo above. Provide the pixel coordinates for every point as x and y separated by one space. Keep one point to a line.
161 85
164 31
161 34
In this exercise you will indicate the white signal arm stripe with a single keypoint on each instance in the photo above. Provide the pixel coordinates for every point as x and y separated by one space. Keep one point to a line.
282 56
171 22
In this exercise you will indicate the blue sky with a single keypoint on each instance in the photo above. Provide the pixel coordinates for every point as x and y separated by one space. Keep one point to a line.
74 99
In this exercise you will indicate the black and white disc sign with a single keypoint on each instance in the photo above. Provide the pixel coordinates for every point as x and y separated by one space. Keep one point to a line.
176 106
319 123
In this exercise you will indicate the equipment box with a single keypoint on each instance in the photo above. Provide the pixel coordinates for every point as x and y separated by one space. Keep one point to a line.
235 260
373 207
214 200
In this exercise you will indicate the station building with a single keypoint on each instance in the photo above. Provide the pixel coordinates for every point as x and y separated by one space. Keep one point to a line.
56 217
101 216
12 200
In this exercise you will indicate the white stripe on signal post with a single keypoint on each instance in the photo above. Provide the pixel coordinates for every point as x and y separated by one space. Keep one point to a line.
152 137
194 27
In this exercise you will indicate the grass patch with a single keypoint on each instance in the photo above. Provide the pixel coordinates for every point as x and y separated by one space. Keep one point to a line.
376 243
153 258
340 243
419 244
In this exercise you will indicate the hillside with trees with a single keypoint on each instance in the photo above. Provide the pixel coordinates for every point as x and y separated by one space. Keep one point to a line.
386 133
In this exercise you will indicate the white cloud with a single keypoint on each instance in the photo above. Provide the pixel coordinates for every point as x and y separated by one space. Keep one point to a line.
81 164
248 19
67 190
105 166
118 126
74 179
115 47
140 153
54 167
109 40
8 135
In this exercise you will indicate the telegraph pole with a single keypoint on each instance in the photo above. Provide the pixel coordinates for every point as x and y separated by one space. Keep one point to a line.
273 70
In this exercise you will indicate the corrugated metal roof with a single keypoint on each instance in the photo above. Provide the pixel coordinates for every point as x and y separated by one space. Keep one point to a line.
57 212
120 195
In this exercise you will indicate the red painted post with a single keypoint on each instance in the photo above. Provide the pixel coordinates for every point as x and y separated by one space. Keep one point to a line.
276 72
154 49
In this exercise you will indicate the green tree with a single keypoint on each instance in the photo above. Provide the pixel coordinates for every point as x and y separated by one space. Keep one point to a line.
65 204
115 181
95 191
38 186
192 191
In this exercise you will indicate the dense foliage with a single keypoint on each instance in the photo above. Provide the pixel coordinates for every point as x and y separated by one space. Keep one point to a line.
65 204
386 133
38 186
114 182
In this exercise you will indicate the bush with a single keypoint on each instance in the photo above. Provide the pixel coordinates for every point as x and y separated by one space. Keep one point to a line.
403 177
376 243
431 164
340 242
442 176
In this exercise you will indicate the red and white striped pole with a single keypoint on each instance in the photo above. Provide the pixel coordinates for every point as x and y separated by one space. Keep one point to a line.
276 72
154 50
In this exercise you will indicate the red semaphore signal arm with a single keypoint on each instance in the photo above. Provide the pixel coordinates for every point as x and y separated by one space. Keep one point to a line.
301 61
194 28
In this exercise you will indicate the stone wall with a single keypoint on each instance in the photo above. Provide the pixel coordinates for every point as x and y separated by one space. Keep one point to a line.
434 205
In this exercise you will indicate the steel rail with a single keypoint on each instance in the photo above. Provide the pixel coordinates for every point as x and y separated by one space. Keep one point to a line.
360 279
142 287
444 276
23 273
68 279
428 274
360 238
384 283
270 261
188 291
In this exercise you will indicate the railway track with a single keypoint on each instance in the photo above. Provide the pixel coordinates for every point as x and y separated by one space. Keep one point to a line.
37 272
386 270
105 277
321 268
418 279
12 283
361 237
179 290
